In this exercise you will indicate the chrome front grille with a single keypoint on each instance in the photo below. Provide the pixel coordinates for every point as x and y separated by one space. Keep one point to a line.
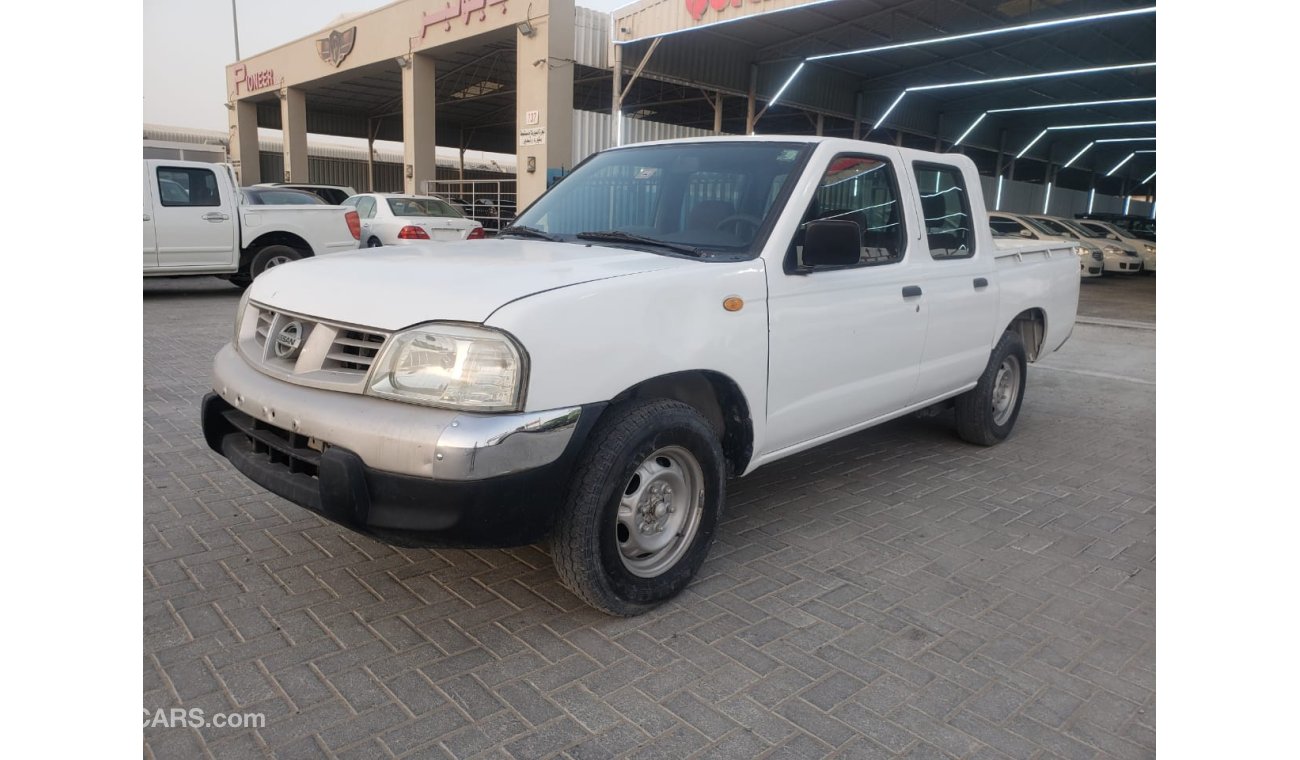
1096 255
307 350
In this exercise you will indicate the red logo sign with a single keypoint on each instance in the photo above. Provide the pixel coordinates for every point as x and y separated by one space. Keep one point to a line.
257 80
454 9
697 7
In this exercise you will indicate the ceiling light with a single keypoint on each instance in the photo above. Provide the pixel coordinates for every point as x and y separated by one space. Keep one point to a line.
793 74
1079 154
1150 177
1025 149
1048 107
1116 167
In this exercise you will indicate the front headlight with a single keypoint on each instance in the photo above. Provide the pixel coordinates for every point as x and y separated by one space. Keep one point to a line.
1149 248
452 366
239 315
1113 250
1080 251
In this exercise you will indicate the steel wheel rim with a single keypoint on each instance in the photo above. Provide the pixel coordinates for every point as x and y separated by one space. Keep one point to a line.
659 511
1006 386
276 261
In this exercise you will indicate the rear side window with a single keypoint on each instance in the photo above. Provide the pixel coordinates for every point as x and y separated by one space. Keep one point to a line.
366 207
187 187
861 189
946 208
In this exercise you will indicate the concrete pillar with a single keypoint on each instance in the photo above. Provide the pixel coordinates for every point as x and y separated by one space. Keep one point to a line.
243 143
616 104
293 123
544 103
418 160
717 113
821 125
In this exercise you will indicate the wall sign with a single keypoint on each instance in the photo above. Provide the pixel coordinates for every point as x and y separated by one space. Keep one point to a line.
697 7
336 46
257 80
454 9
534 136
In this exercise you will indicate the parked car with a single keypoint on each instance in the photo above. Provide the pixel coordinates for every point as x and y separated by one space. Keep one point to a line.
196 223
280 196
1146 248
1117 257
1137 227
1005 226
671 314
334 195
393 219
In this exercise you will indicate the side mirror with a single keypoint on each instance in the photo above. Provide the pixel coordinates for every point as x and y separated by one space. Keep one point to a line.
831 242
1027 234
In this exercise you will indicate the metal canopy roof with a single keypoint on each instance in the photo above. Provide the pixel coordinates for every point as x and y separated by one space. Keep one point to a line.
719 57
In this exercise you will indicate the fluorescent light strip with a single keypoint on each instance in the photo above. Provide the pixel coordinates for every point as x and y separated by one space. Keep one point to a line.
1092 196
997 202
1079 155
793 74
1116 167
618 126
1127 201
1150 177
970 129
1048 107
1064 127
986 33
1125 139
1000 80
1047 199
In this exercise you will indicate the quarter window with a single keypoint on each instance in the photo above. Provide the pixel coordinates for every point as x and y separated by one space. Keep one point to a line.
366 207
946 208
187 187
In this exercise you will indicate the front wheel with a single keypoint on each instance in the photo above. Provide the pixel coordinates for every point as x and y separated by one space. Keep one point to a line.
642 508
987 412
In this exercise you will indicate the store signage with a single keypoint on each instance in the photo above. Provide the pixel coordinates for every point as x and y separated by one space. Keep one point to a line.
257 80
697 7
454 9
334 48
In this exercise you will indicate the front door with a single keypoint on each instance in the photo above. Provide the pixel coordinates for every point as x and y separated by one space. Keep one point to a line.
150 239
194 224
845 342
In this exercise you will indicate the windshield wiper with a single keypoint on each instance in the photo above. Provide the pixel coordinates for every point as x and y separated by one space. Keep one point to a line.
615 236
532 232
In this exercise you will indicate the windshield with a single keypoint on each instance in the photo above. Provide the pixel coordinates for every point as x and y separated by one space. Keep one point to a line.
1101 229
716 197
1078 230
1047 227
264 197
422 207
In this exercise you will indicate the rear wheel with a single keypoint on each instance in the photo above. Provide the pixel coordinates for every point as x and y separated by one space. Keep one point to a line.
273 256
642 508
987 412
374 242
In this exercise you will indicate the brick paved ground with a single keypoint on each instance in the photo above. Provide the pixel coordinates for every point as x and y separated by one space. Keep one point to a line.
894 594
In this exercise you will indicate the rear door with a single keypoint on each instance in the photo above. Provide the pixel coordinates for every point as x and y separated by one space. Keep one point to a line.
194 217
960 291
845 342
150 238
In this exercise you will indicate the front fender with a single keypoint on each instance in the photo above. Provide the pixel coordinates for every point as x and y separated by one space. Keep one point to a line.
593 341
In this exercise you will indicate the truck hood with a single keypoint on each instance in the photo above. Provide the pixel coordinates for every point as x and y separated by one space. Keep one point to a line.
395 287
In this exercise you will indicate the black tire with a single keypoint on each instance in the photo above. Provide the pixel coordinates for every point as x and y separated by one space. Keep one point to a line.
241 281
979 419
586 544
374 242
272 256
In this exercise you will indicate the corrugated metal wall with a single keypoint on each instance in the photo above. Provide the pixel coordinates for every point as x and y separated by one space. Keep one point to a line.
592 132
591 38
323 170
1027 198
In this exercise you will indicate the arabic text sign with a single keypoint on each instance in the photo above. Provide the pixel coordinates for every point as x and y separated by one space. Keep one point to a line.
533 136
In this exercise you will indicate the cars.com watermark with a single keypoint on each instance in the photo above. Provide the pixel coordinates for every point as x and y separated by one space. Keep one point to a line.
179 717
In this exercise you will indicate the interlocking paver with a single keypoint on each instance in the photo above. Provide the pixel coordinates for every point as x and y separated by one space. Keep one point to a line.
893 594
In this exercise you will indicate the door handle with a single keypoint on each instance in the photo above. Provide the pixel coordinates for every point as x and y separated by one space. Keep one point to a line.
911 291
146 217
980 282
216 216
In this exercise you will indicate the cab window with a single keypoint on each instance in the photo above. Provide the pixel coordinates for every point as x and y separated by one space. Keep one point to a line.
862 190
187 187
946 208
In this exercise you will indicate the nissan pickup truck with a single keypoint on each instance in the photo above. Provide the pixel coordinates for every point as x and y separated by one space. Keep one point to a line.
667 316
196 223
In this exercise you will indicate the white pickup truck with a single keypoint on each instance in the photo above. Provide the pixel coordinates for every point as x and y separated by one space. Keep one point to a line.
668 315
195 223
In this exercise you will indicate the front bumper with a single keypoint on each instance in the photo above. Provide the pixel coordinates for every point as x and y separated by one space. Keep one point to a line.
407 474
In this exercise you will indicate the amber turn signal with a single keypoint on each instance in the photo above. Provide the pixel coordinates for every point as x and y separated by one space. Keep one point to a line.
733 303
